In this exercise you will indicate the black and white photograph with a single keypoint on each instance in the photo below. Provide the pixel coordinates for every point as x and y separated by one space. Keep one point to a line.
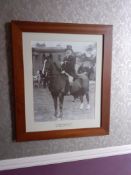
64 75
63 80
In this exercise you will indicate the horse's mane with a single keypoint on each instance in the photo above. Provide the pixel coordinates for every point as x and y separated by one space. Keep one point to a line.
53 68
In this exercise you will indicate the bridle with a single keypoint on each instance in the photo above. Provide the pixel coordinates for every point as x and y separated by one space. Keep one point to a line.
43 70
48 71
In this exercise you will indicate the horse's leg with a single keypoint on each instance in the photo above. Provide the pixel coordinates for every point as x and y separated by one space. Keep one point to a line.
87 98
82 104
61 99
55 105
43 84
74 99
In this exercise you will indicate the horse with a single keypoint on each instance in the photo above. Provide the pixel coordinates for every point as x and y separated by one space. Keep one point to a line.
56 82
79 86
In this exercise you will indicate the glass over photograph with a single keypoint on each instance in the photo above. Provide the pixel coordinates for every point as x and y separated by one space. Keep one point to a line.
64 75
62 81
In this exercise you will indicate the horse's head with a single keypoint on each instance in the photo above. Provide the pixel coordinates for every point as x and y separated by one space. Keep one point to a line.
51 66
47 66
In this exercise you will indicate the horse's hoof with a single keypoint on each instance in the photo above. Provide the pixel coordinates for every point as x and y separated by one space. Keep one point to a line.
56 114
58 119
88 107
81 106
61 115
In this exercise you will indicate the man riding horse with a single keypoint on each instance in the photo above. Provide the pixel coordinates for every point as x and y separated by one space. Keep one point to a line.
77 84
68 68
58 81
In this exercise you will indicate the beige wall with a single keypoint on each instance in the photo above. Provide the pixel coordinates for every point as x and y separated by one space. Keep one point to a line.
115 12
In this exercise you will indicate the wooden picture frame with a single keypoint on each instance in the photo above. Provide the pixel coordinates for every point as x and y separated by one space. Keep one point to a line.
27 36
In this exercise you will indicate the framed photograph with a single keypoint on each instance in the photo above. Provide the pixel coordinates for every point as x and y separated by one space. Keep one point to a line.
62 75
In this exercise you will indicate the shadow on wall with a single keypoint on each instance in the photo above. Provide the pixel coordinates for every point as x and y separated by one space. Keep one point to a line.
10 75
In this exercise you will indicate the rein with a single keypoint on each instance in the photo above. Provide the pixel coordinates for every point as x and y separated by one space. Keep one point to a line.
53 75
